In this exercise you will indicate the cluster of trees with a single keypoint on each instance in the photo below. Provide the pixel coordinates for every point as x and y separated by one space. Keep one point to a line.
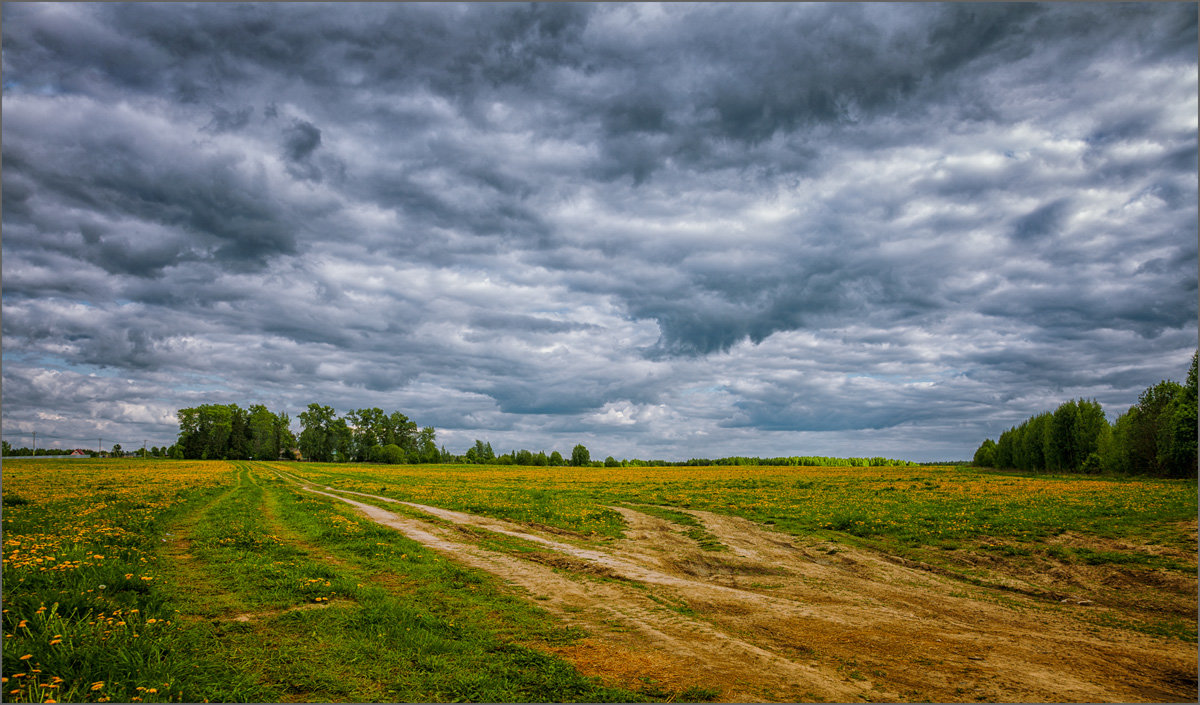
482 453
1156 436
153 452
799 461
8 451
229 432
226 431
365 435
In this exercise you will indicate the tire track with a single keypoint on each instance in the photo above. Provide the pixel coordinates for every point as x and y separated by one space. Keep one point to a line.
684 650
826 618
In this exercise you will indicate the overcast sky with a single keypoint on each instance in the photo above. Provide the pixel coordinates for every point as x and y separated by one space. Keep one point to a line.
662 231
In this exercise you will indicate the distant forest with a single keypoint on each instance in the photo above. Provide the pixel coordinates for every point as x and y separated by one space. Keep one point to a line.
226 431
1156 436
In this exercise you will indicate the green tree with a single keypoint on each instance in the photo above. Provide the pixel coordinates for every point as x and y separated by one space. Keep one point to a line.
1116 450
391 454
985 455
611 462
403 432
317 439
239 434
264 439
1060 448
556 460
1004 449
427 450
1090 428
580 456
1176 433
1151 416
480 453
285 440
342 439
1033 443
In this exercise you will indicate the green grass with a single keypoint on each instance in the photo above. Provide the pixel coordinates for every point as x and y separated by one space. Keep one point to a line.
261 593
185 581
928 506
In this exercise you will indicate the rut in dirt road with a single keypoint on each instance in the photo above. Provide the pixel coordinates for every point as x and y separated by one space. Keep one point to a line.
682 651
826 622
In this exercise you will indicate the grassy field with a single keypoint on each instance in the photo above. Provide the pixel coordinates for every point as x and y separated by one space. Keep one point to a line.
142 581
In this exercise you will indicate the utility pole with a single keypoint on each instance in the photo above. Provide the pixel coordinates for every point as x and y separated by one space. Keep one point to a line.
143 448
35 442
100 443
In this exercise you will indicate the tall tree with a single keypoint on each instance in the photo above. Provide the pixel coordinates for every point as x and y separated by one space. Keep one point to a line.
1090 428
317 441
1146 423
427 450
1176 434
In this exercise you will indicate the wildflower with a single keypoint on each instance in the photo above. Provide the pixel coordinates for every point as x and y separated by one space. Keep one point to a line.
22 624
97 685
26 656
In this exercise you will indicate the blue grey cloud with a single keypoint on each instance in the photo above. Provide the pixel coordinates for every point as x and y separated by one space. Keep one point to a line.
668 230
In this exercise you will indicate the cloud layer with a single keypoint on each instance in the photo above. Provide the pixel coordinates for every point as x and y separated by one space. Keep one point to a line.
661 230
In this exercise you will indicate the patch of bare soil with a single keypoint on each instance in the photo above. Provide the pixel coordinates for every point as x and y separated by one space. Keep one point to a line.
1146 592
784 619
267 614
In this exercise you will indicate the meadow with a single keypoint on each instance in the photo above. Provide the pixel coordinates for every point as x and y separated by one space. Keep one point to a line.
189 581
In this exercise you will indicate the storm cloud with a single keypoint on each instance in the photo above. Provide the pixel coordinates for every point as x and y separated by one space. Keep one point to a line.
662 230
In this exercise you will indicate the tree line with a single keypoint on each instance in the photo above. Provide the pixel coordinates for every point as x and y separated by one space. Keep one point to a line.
482 453
228 432
1156 436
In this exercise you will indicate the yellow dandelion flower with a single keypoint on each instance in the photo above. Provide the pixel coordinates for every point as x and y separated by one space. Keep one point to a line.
97 685
26 657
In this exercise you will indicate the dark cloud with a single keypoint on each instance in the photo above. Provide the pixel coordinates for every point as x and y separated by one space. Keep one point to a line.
677 229
230 120
301 140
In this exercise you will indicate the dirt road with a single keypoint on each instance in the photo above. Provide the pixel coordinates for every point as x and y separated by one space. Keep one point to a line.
776 618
